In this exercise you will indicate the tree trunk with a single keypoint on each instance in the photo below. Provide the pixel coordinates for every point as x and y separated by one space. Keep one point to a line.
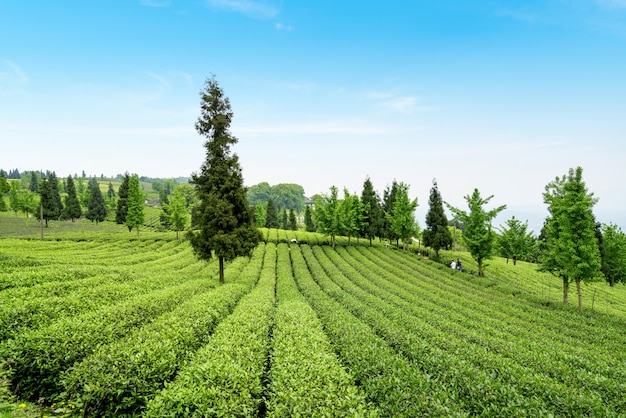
565 288
480 268
221 258
515 261
613 281
580 295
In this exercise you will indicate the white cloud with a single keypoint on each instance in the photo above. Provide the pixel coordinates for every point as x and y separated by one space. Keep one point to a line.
253 8
155 3
12 72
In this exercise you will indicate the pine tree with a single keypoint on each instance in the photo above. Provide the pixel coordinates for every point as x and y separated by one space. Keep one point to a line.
223 221
122 201
96 210
72 205
436 235
54 184
135 215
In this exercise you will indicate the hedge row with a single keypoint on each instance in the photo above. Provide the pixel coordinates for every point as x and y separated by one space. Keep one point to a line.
473 325
306 377
485 380
225 377
395 385
39 356
120 377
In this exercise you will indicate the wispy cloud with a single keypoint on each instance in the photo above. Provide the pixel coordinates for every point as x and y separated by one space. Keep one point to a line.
12 72
155 3
280 26
355 127
398 103
520 15
252 8
613 4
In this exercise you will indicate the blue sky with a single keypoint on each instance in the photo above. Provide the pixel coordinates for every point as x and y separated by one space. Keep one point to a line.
502 96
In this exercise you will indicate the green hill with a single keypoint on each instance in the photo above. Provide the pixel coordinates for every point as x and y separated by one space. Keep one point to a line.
98 323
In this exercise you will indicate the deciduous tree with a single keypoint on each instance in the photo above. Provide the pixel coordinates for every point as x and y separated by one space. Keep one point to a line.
223 224
401 220
177 213
571 249
478 235
614 258
328 215
515 242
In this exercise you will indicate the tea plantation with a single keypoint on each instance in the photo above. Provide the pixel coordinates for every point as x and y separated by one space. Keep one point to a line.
96 323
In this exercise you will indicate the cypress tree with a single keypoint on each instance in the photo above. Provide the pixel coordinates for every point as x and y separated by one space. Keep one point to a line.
271 217
223 221
50 209
122 201
96 210
72 205
372 212
135 215
308 219
436 235
292 220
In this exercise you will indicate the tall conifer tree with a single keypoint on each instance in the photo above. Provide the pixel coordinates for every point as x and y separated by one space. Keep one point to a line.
72 205
271 216
136 197
223 221
436 235
96 210
372 212
122 201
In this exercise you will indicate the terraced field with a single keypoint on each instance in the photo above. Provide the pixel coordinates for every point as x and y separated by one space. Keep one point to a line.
111 326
